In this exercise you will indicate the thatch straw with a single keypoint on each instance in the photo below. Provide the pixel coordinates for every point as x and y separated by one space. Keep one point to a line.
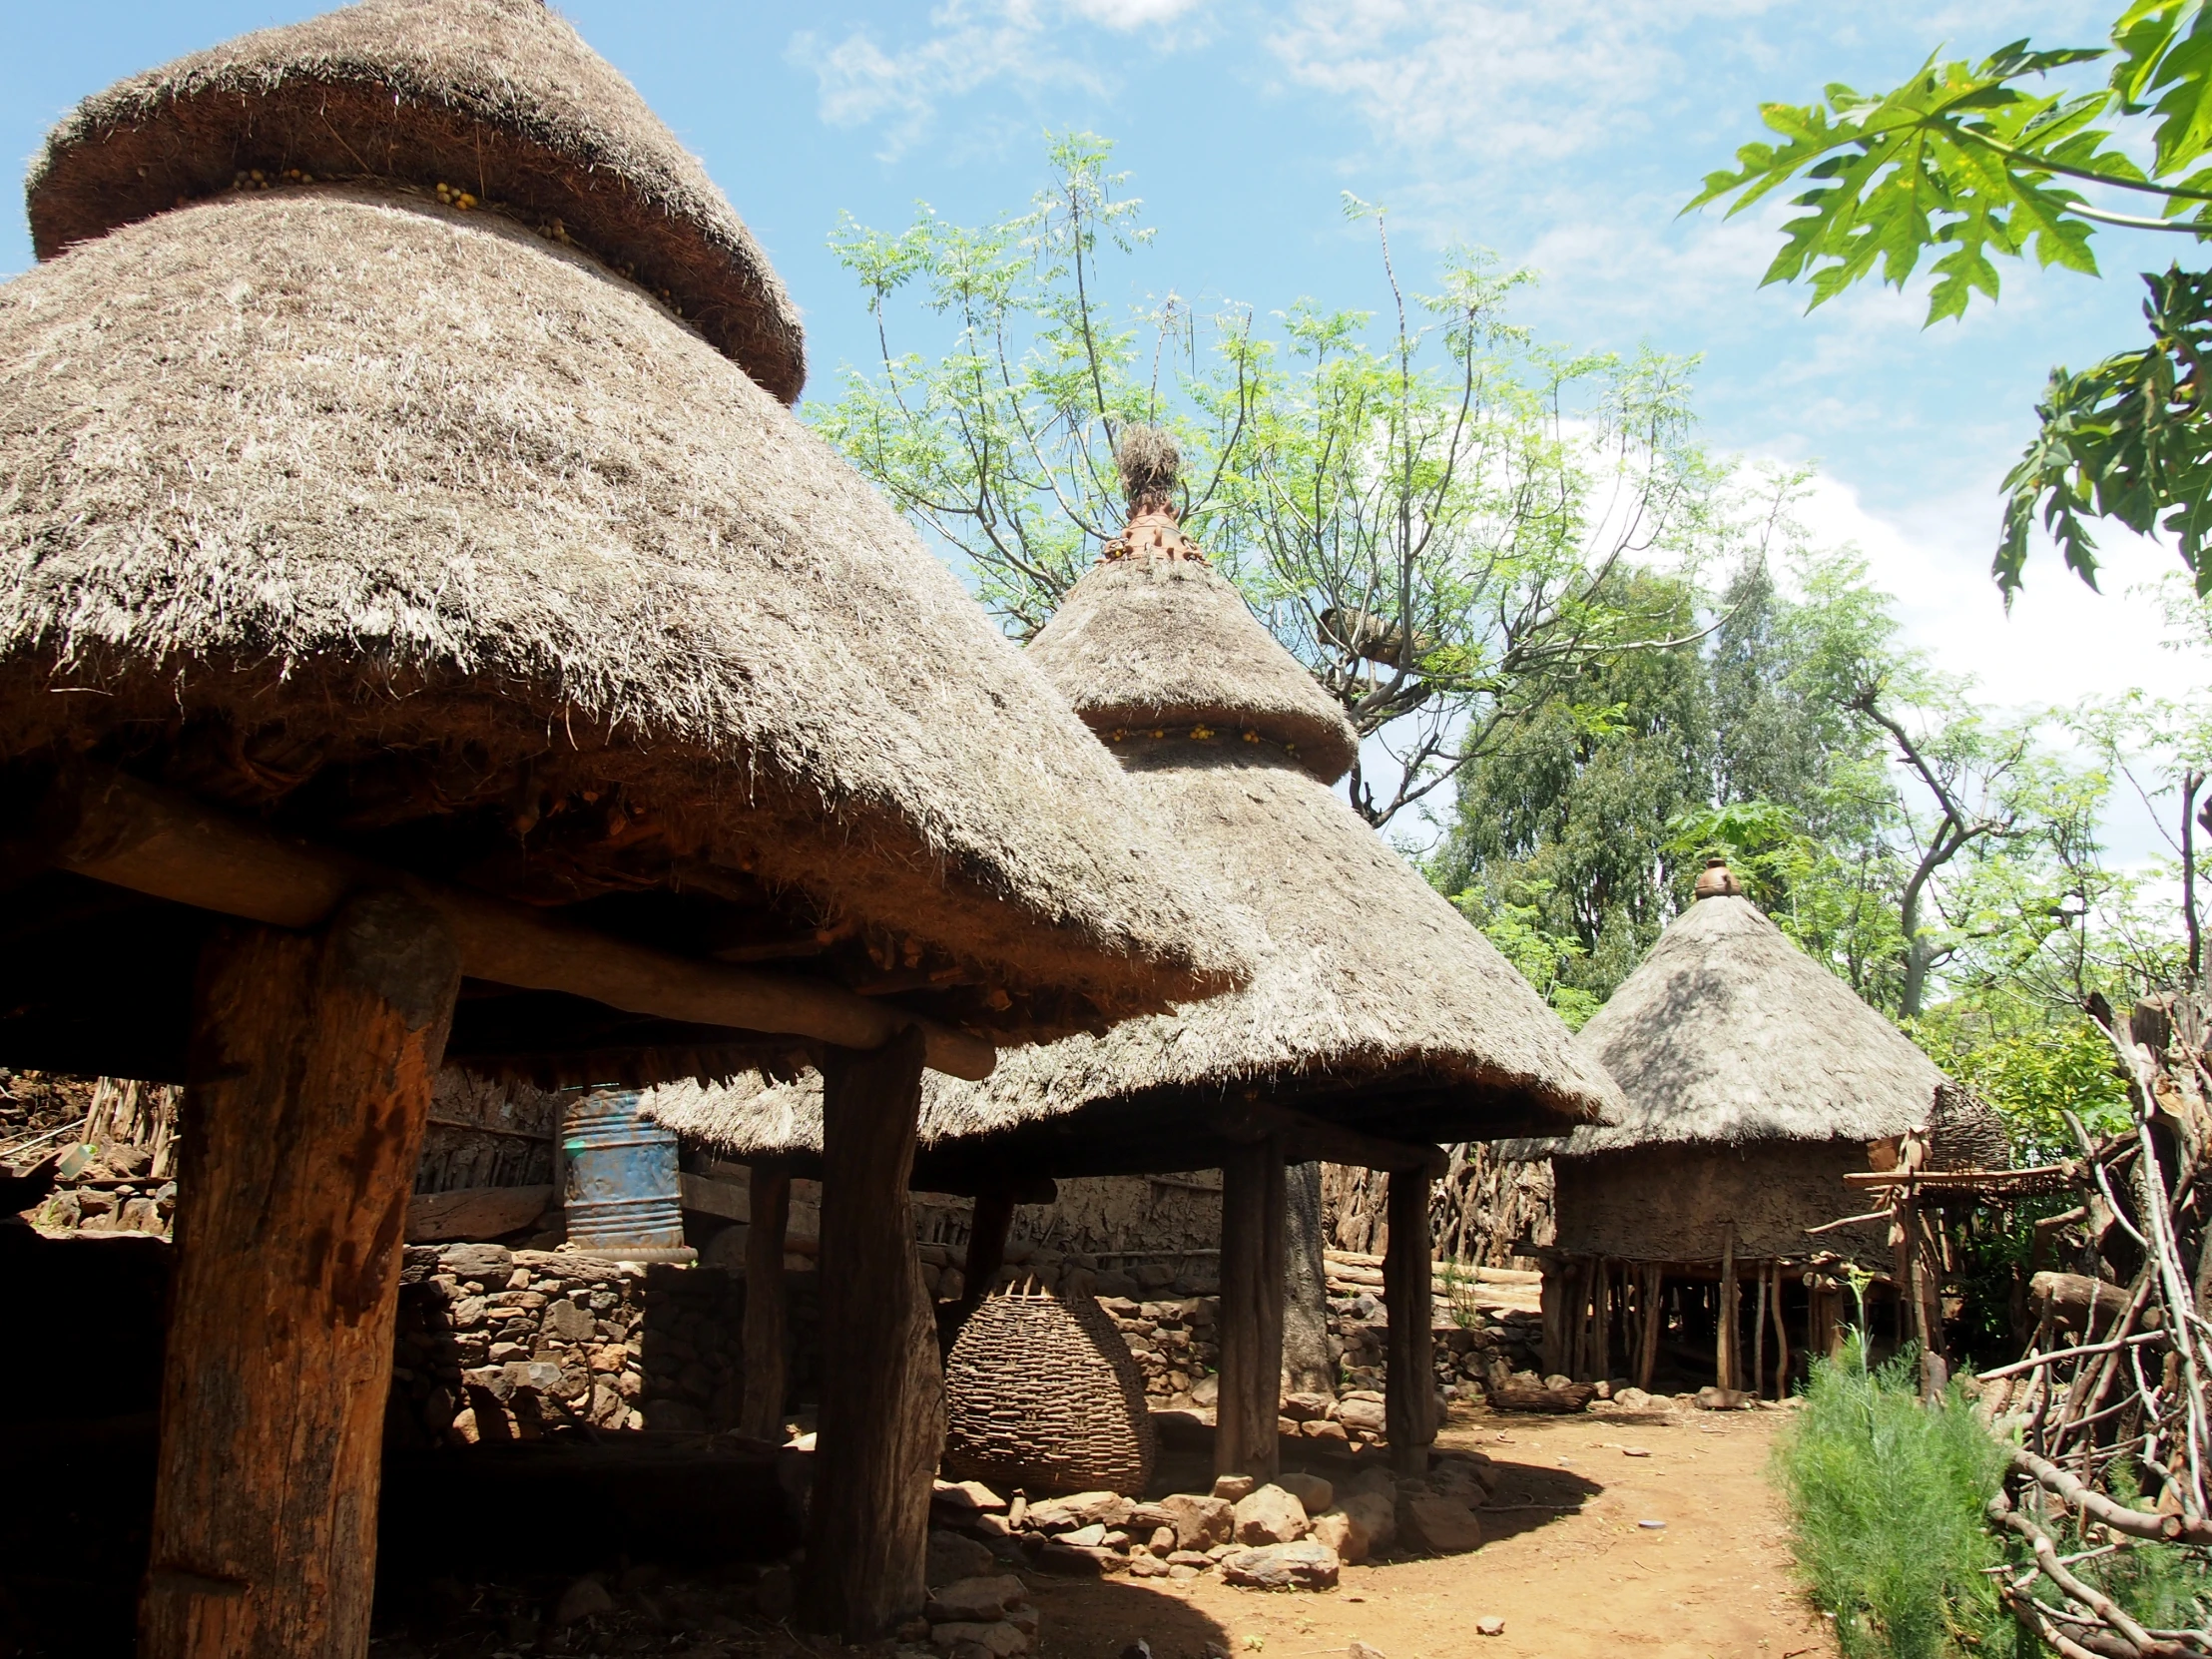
1142 645
497 98
1376 1004
1150 464
355 476
1728 1033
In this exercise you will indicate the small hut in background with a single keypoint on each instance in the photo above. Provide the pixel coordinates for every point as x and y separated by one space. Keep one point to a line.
1756 1081
424 631
1377 1024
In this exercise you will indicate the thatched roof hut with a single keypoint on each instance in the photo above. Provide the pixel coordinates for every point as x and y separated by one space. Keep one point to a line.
394 452
1728 1034
410 571
1375 1004
1377 1019
1756 1080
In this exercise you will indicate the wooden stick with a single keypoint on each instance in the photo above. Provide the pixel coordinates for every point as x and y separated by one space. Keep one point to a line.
1409 1381
2134 1522
1724 1347
768 1189
2046 1557
1780 1340
883 1390
1759 1333
111 827
1655 1316
313 1064
2035 1360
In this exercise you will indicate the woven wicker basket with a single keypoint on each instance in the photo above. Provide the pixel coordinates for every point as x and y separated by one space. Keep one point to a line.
1041 1393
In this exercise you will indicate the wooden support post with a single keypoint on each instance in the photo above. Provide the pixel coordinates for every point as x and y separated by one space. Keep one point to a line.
1558 1275
1409 1383
1724 1349
310 1083
768 1186
1780 1340
1655 1319
1758 1330
988 1224
882 1389
1246 1438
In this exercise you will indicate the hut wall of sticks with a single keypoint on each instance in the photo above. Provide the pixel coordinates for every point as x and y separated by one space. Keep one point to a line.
1712 1233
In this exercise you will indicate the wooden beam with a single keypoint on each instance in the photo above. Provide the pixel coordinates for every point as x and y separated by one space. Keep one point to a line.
1312 1140
111 827
1246 1436
1410 1379
474 1212
766 1296
988 1225
312 1062
882 1390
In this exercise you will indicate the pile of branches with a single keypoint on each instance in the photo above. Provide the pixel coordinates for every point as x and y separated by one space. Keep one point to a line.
2109 1403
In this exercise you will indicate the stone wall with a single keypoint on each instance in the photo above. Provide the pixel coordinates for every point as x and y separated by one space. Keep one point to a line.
499 1345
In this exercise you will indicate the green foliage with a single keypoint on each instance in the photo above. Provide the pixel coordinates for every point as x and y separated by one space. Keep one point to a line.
1886 1497
2032 1077
1543 958
1421 501
1968 162
2127 439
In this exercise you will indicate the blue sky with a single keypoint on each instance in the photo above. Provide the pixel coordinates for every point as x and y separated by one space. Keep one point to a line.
1563 134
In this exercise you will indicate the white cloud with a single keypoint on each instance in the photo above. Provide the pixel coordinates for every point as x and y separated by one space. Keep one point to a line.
1132 14
1494 78
2061 644
971 44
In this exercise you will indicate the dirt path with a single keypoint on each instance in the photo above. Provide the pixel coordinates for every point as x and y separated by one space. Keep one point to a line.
1570 1583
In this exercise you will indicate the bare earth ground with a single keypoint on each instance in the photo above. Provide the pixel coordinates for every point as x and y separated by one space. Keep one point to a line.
1566 1565
1715 1581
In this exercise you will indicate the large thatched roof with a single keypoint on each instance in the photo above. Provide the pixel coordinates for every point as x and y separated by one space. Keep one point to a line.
411 528
1375 1003
1728 1033
497 98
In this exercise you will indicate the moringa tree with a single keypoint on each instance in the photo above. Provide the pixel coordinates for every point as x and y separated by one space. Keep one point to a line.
1428 507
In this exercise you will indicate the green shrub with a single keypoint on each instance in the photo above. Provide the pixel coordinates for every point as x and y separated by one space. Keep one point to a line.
1886 1497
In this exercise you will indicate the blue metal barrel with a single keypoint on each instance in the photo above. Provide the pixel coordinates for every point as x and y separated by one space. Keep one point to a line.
619 1186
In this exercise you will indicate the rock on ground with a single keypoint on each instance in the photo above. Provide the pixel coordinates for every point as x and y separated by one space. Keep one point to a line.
1444 1525
1296 1566
974 1601
1312 1492
1199 1522
1270 1515
951 1557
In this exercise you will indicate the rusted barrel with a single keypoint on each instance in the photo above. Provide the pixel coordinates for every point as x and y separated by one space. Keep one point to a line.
619 1182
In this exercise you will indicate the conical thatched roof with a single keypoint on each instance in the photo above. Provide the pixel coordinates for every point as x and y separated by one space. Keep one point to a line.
1728 1033
496 98
1375 1003
1153 639
415 529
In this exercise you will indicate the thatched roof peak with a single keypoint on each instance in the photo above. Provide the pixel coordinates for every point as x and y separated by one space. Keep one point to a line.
1728 1033
1154 642
497 100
